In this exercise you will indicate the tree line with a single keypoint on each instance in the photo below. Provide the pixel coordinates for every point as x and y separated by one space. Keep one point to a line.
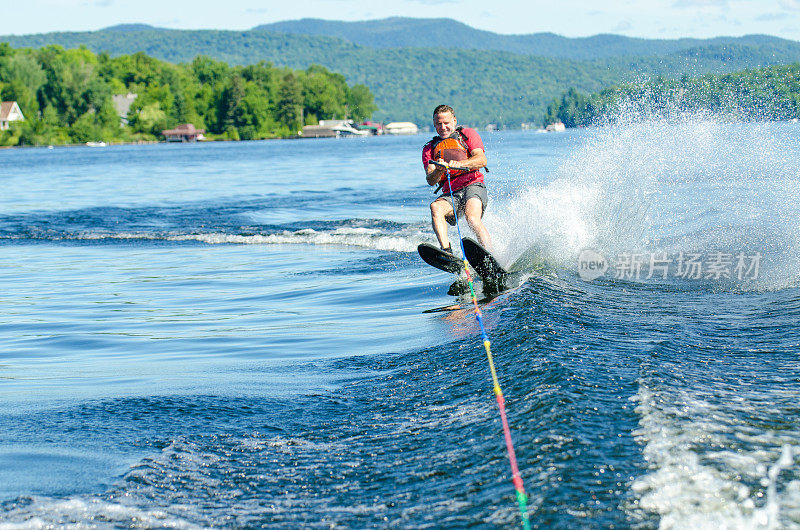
770 93
66 97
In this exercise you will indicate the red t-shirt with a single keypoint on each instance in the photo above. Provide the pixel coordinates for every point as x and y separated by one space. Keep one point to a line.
473 141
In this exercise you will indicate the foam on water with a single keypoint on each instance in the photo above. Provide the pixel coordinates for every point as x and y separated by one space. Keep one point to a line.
352 237
75 512
695 480
405 240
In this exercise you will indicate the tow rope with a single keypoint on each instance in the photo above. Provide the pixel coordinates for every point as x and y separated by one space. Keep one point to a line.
522 498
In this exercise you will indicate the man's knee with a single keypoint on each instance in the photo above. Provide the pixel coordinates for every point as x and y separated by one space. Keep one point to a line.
439 208
442 209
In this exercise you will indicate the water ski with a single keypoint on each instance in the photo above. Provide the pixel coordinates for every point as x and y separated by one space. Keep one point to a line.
483 262
447 262
440 259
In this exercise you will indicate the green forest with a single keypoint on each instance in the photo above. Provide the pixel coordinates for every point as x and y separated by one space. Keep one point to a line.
66 97
771 93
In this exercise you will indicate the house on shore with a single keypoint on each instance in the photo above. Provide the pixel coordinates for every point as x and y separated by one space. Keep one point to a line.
9 111
334 123
401 127
184 133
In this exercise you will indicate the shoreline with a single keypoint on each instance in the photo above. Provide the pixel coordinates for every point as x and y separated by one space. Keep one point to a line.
151 142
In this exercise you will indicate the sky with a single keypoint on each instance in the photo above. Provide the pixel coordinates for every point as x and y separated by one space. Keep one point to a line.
664 19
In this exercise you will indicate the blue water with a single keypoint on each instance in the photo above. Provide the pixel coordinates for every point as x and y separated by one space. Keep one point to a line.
239 335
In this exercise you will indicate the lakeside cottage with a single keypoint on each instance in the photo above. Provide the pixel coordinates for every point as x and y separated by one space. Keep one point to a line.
9 111
183 133
401 127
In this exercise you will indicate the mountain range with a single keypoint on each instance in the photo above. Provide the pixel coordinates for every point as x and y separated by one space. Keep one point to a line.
400 32
410 67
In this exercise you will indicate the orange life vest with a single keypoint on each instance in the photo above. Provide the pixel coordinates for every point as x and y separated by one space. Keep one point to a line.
451 149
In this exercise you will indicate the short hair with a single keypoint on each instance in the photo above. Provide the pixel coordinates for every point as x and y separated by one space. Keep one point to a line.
443 108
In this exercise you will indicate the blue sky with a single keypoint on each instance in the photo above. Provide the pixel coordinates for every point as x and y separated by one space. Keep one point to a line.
635 18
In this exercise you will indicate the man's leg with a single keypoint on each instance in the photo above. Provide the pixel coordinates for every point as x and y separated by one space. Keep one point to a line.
439 209
474 212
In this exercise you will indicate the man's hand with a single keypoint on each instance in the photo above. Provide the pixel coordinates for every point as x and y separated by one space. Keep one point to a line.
446 165
435 171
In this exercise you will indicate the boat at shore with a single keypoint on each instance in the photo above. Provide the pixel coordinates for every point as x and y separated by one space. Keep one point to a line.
345 129
334 129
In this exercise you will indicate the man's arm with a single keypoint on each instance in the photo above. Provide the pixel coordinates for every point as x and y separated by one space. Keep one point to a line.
434 173
476 160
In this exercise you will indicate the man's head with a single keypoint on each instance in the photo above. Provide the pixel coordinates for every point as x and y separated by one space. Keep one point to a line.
444 120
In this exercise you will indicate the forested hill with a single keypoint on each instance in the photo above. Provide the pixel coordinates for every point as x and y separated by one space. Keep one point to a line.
402 32
771 93
181 46
485 85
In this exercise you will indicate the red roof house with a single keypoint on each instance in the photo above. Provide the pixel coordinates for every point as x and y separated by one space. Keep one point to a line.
183 133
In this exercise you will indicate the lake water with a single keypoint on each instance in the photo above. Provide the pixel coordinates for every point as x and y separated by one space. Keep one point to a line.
238 334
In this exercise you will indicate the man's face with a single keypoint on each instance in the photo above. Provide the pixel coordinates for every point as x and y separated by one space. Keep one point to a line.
445 124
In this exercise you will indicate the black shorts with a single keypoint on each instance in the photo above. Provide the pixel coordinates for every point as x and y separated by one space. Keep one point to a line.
478 189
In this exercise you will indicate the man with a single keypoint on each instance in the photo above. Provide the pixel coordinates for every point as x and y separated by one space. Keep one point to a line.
462 149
